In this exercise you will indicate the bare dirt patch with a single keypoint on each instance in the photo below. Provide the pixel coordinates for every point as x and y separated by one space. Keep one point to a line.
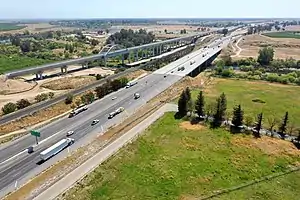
136 74
68 83
11 86
284 47
188 126
270 146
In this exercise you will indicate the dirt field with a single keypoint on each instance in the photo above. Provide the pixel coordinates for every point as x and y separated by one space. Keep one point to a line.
284 47
293 28
69 81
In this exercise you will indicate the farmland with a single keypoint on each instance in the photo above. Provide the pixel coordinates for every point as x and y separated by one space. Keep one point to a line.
177 160
10 27
285 34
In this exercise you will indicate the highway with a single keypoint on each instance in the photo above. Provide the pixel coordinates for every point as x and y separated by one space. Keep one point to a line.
16 164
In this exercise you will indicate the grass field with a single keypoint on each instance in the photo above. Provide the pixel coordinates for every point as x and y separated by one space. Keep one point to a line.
18 62
278 98
175 160
10 26
285 34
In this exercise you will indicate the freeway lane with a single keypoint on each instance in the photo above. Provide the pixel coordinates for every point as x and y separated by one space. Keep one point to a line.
9 174
99 106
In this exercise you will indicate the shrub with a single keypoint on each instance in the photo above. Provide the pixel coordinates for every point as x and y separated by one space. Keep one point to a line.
69 99
23 103
41 97
9 108
51 95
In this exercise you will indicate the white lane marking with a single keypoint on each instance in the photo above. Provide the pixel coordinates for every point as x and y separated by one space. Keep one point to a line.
102 129
68 150
16 184
48 138
24 151
7 160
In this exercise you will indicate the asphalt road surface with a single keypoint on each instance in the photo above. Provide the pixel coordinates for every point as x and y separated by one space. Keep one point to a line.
16 163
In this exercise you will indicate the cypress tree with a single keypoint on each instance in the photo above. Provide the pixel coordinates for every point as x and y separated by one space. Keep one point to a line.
223 105
238 116
217 121
200 104
258 126
285 120
182 104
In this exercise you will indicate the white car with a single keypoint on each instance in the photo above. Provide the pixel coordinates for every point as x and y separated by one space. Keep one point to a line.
113 98
95 121
69 133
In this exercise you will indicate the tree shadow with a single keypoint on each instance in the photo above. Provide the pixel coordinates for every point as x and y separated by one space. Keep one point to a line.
178 116
297 144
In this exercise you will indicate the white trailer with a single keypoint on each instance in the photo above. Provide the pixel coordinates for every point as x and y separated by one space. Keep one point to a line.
131 83
78 110
56 148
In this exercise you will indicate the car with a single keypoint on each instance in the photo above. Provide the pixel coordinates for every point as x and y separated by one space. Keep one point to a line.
172 72
95 121
113 98
136 95
69 133
30 149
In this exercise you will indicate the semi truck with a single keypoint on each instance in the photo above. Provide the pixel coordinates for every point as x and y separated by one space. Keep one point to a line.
114 113
131 83
56 148
77 110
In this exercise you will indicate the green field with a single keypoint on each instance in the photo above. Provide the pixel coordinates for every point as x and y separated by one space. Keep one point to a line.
285 34
172 161
14 62
10 27
278 98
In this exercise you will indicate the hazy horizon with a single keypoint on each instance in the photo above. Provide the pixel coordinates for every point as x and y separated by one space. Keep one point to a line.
132 9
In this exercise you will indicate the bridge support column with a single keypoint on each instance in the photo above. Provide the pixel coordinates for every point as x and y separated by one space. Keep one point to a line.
122 59
105 63
160 49
136 56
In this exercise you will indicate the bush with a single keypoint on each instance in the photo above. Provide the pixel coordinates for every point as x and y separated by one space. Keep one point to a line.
51 95
9 108
23 103
41 97
69 99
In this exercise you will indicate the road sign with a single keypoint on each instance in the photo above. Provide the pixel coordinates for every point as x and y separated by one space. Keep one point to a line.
35 133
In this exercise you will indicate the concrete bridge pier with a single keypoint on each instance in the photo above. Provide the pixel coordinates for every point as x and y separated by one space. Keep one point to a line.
123 59
64 69
39 75
160 51
136 56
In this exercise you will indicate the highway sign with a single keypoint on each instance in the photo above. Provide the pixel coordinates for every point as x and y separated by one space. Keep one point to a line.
35 133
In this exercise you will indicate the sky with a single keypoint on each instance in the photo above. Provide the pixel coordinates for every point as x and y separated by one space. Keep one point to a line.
39 9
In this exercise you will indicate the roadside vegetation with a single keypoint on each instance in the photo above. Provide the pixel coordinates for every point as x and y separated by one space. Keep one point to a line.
177 160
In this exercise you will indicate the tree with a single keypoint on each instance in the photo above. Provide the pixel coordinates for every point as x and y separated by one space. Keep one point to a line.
217 117
166 31
199 104
238 116
272 121
225 31
88 97
282 128
25 46
256 131
265 56
182 104
69 99
51 95
223 105
23 103
94 42
9 108
189 100
41 97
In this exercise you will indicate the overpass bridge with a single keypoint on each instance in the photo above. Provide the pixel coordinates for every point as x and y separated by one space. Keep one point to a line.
154 48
